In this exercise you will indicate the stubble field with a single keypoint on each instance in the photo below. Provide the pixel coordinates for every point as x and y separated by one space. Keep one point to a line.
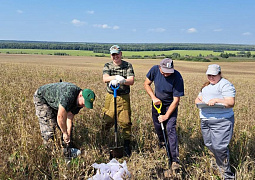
23 157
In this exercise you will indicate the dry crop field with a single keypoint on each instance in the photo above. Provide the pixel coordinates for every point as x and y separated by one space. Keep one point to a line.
23 157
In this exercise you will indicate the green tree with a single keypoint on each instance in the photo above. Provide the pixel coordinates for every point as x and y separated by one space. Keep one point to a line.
248 54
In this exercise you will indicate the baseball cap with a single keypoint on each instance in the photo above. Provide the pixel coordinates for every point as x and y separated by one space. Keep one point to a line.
115 49
167 65
89 97
213 69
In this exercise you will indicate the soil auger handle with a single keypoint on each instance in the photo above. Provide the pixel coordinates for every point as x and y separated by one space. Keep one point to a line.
164 134
115 88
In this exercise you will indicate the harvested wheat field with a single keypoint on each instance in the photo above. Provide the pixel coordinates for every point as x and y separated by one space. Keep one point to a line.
23 157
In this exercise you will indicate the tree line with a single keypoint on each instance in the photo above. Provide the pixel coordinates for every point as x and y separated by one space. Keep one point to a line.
104 47
239 54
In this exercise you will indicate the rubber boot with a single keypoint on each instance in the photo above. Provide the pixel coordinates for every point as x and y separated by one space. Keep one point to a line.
127 150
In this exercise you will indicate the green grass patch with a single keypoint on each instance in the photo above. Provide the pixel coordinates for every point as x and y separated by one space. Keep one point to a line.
125 53
181 52
49 52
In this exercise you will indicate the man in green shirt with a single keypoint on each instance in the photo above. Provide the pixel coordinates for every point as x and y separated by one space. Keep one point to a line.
119 72
56 104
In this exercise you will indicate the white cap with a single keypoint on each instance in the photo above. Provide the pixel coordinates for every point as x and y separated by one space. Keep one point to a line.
213 69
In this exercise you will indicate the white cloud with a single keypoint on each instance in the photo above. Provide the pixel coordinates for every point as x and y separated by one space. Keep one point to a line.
103 26
246 34
106 26
159 30
218 30
19 11
90 12
77 22
191 30
115 27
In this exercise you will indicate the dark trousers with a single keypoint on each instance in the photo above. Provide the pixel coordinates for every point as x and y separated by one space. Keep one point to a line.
170 127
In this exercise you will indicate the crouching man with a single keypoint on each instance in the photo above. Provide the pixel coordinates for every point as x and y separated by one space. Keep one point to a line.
56 104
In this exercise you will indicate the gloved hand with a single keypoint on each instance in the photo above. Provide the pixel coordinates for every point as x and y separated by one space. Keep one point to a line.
120 79
113 82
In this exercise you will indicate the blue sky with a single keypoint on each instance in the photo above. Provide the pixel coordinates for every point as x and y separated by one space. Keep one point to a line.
129 21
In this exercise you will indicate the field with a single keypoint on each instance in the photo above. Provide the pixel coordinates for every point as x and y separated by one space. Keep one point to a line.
125 53
23 157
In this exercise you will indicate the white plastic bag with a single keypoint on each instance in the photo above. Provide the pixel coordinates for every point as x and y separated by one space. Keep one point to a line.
111 171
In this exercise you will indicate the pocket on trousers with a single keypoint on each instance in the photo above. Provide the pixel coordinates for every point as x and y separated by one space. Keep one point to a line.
126 102
108 100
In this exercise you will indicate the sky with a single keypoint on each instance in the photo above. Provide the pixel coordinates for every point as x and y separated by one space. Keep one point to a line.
129 21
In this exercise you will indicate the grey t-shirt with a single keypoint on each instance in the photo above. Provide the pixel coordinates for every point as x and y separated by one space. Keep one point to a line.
220 90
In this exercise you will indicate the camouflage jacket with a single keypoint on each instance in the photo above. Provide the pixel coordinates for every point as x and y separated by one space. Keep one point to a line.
63 93
125 70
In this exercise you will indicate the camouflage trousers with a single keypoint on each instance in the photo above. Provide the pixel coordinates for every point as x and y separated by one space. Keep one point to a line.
123 114
47 119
